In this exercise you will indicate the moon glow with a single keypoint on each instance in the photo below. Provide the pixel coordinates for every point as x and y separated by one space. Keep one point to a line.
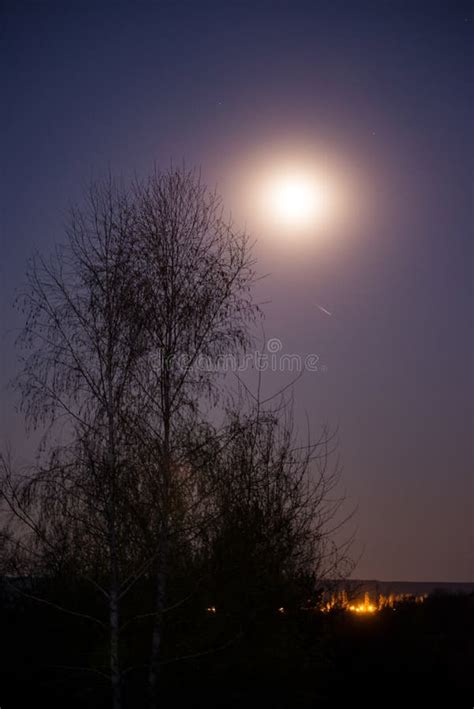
295 199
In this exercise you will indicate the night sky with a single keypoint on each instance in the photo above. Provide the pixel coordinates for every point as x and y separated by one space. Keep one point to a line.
377 91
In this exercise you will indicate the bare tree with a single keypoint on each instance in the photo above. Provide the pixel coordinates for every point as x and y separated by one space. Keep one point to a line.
194 276
151 279
277 506
136 486
80 345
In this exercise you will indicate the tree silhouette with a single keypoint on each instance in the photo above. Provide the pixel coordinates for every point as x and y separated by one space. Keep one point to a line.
138 497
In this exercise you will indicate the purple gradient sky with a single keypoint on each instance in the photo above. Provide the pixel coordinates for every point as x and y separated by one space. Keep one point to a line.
382 88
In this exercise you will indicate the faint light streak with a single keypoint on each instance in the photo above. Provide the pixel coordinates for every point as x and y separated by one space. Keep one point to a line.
323 310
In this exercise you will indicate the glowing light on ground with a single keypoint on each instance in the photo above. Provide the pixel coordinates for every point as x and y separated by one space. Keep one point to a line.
340 600
368 606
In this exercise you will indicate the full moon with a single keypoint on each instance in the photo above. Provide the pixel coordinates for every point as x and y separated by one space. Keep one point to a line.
295 199
295 196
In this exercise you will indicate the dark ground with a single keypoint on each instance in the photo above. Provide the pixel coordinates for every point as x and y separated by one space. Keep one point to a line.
416 656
